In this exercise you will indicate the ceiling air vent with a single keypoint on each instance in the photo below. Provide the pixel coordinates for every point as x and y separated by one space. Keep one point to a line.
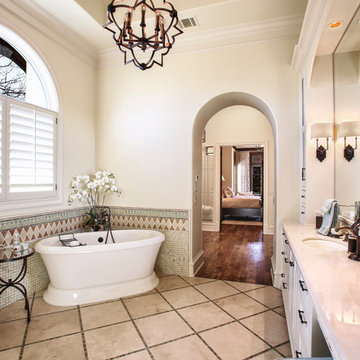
188 22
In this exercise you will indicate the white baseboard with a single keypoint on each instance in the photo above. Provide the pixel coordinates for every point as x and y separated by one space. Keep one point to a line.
196 264
210 226
269 230
276 276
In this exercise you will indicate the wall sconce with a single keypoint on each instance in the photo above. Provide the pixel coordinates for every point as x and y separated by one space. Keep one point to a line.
322 131
349 129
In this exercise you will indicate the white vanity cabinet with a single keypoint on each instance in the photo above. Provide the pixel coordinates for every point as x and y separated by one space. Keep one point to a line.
306 338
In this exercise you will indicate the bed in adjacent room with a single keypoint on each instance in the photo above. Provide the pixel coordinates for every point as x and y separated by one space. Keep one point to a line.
247 205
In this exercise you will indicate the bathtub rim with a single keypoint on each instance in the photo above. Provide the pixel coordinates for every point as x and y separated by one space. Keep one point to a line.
46 245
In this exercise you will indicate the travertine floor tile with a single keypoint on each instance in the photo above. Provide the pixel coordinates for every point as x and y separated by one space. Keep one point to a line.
217 289
163 327
189 348
280 310
269 296
12 354
12 334
285 350
112 341
184 297
146 305
13 311
244 286
66 347
53 325
103 314
171 282
197 280
269 326
240 306
153 291
141 355
204 316
41 307
269 355
233 342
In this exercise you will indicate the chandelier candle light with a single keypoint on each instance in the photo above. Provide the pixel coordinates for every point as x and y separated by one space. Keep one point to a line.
143 32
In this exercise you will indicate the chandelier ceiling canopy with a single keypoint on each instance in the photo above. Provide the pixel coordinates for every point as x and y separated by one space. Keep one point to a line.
143 32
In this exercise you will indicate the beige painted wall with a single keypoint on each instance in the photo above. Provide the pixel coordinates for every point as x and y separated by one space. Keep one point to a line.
243 125
144 132
319 108
76 86
227 165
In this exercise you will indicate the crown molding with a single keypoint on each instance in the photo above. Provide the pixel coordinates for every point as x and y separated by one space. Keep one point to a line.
315 18
241 34
33 15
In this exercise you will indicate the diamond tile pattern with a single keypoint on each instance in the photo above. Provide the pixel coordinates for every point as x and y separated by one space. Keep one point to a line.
225 325
173 256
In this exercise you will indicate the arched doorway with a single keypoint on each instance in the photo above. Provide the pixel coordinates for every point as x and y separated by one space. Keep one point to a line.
204 115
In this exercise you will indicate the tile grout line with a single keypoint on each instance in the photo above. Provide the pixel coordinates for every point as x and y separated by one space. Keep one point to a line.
82 333
238 321
137 330
186 322
26 329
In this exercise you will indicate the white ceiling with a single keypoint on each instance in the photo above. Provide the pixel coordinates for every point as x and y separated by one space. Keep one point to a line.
86 17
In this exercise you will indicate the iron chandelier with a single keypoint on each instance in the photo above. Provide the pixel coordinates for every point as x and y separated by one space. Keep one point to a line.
143 32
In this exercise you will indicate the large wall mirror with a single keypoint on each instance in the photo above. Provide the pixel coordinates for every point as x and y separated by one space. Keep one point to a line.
347 115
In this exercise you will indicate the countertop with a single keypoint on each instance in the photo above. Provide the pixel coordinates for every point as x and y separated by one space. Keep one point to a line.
333 281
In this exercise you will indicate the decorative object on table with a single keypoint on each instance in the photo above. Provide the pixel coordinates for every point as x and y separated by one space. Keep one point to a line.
147 41
92 190
16 242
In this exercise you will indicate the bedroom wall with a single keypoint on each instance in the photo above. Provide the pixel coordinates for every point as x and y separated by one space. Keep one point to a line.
227 165
238 125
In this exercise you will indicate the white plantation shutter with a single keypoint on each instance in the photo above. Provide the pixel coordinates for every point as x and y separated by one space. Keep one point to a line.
31 149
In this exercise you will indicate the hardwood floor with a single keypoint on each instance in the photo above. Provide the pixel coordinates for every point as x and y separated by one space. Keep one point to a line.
239 253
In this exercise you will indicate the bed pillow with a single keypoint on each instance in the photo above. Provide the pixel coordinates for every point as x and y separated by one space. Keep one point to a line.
246 194
228 192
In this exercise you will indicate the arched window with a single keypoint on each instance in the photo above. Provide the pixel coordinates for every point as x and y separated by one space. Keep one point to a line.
28 124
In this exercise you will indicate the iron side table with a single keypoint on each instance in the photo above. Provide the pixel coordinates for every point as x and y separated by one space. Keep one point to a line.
8 255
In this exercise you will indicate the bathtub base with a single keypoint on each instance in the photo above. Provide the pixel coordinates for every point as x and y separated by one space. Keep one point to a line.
60 297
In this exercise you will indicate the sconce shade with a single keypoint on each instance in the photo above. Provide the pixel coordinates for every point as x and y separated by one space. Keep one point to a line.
349 128
322 130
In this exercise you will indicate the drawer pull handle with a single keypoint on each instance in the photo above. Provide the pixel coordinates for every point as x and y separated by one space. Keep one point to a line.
283 253
286 260
284 285
298 354
301 316
291 263
286 241
282 275
302 285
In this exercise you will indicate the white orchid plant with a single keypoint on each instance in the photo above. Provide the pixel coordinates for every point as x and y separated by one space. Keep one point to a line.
91 190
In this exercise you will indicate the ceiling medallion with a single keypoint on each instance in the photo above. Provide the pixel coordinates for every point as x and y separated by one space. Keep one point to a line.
143 32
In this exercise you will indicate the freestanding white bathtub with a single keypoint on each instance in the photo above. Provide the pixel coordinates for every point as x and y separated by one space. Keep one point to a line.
98 271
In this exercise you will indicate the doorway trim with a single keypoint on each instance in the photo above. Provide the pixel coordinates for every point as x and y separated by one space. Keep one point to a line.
212 107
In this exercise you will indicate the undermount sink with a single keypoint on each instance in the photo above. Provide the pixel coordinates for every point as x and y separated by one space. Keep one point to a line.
325 244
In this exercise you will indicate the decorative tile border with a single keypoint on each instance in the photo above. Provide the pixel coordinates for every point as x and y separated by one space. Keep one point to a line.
173 255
